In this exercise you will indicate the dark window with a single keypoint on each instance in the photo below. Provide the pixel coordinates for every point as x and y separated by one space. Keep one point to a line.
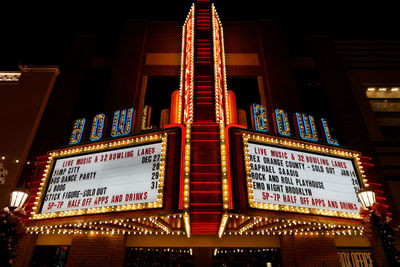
159 257
158 95
312 96
247 257
50 256
384 100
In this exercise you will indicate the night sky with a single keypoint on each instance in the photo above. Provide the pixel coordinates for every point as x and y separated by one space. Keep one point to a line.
34 34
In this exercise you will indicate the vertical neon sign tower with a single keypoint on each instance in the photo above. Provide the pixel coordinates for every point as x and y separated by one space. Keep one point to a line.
204 110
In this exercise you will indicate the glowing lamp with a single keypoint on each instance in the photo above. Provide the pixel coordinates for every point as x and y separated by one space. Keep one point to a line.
18 198
366 197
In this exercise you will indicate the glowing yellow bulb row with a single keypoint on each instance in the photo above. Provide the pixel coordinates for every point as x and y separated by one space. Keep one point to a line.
188 251
186 175
224 167
101 232
161 225
108 226
219 69
221 103
189 19
222 251
186 219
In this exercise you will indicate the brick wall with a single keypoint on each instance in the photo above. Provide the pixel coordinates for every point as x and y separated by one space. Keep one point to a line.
24 251
309 251
378 252
288 250
94 251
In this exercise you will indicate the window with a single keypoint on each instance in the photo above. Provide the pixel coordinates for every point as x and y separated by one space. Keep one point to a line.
247 257
159 257
385 103
50 256
158 95
384 99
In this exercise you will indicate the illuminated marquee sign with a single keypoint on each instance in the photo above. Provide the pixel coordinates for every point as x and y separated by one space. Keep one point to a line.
110 179
121 126
306 125
300 177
